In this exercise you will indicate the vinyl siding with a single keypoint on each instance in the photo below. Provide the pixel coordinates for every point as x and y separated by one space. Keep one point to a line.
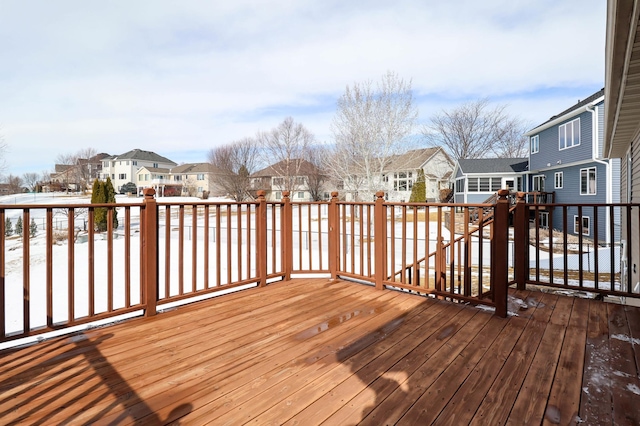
600 113
549 145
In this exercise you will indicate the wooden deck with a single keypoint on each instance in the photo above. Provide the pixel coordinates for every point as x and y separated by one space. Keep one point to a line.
316 351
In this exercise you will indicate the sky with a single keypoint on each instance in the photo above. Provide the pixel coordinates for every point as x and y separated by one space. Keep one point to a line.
180 78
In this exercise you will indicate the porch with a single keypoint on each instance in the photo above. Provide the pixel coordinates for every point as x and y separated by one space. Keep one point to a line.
311 351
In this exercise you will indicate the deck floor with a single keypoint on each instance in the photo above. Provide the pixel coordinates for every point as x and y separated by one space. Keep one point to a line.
315 351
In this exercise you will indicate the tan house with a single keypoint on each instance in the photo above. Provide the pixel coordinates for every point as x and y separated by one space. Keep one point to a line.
196 179
302 179
622 121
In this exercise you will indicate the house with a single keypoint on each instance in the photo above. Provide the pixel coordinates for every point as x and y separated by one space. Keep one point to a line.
299 177
123 168
622 121
79 175
566 156
402 172
157 178
476 180
196 179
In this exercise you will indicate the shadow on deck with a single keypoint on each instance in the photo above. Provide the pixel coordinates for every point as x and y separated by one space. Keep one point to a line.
310 351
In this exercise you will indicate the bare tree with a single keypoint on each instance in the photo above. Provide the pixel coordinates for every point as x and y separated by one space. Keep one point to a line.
316 176
3 150
371 125
63 170
232 165
474 130
513 144
287 146
31 181
15 184
85 170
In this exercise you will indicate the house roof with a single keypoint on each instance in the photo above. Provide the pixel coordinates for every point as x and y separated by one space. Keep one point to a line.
139 154
567 112
493 165
622 76
411 160
280 168
155 169
192 168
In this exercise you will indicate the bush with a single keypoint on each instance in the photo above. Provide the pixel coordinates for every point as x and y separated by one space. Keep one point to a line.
33 228
19 226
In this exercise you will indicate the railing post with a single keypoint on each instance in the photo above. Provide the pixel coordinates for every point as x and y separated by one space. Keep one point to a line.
150 251
286 236
500 253
521 241
261 238
380 240
334 236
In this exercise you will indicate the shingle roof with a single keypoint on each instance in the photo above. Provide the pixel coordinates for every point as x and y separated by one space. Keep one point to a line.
279 168
581 103
192 168
493 165
413 159
155 169
139 154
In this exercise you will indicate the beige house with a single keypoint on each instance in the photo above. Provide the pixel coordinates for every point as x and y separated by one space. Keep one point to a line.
402 173
188 180
125 167
622 119
301 178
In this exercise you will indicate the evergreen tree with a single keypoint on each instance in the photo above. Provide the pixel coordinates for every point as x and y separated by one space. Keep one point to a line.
110 196
19 226
33 228
98 196
419 190
8 228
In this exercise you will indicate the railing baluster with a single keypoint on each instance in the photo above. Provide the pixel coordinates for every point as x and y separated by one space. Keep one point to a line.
167 251
49 277
127 257
194 248
26 260
2 275
110 212
181 249
205 239
70 263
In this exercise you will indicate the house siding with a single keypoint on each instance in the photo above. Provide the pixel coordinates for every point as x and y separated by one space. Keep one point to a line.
600 114
549 154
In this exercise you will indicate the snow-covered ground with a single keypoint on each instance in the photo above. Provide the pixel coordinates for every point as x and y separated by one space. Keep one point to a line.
310 248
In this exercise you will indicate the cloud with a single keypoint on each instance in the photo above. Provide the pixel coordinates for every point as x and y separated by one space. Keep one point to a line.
159 74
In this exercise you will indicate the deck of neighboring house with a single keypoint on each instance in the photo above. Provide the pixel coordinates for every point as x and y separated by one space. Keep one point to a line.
311 351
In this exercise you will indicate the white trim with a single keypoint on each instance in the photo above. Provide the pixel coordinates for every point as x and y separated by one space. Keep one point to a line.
565 117
575 231
555 180
563 125
537 138
595 169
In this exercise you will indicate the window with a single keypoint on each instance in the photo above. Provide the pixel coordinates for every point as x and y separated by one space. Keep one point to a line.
543 220
534 141
569 134
301 195
278 195
201 176
582 225
177 178
588 181
538 183
135 163
402 181
200 189
300 180
278 181
127 162
460 185
557 179
113 175
155 165
484 184
122 176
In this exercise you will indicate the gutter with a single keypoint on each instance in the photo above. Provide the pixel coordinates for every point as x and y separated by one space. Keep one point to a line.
607 165
565 117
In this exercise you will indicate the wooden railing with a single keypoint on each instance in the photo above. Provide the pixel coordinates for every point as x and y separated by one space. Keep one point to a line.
164 253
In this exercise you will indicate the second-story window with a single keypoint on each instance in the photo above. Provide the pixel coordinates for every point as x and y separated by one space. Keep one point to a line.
122 176
535 144
460 185
201 176
569 134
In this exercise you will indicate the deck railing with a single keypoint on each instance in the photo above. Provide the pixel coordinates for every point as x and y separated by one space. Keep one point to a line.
167 252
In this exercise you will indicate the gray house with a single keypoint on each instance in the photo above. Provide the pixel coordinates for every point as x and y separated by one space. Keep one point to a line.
566 157
478 179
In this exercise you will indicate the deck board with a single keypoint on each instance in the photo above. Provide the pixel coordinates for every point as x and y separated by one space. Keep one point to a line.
313 351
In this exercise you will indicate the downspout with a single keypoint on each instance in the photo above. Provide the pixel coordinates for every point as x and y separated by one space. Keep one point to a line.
607 165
